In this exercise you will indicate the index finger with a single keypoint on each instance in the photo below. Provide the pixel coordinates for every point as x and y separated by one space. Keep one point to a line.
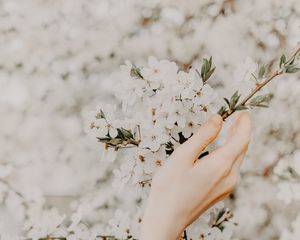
238 139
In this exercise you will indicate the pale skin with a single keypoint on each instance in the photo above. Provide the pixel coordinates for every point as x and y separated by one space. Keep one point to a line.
185 187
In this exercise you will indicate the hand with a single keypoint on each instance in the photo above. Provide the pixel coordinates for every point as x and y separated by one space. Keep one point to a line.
186 186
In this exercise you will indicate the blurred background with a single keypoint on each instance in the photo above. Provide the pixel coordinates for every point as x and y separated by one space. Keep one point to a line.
58 60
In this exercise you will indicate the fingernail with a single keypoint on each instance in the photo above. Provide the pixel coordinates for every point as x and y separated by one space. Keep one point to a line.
216 119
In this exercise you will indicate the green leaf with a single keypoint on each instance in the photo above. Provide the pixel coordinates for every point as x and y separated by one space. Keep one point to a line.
136 72
227 101
210 61
222 110
234 100
282 60
125 133
100 115
261 101
104 140
240 107
206 69
120 134
261 72
209 73
293 172
291 69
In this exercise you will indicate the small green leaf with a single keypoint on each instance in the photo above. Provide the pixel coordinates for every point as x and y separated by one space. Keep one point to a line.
282 60
100 115
120 134
240 108
210 61
222 110
291 69
206 69
227 101
261 101
104 140
136 72
125 133
261 72
209 73
293 172
234 100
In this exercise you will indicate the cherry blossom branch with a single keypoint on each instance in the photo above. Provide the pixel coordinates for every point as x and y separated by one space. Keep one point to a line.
286 66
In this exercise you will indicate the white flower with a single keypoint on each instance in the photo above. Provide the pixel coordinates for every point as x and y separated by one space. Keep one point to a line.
189 129
45 224
175 114
131 89
159 72
154 138
187 81
204 95
76 218
108 123
121 223
190 83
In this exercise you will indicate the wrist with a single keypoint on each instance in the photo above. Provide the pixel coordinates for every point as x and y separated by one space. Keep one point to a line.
159 226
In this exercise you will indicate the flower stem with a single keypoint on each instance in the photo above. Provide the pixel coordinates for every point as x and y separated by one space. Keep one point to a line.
259 86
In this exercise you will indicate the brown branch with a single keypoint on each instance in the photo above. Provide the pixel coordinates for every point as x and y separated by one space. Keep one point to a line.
259 86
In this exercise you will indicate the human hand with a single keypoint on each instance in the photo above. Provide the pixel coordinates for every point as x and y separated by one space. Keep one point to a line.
185 187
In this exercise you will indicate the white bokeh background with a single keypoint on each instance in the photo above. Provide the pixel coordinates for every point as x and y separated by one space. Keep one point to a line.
60 59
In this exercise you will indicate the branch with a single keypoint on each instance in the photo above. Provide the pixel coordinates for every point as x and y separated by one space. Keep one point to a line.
259 86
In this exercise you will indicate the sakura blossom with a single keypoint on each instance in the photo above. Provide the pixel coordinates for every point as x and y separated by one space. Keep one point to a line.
77 75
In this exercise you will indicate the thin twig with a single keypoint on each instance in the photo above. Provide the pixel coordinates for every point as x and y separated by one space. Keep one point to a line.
259 86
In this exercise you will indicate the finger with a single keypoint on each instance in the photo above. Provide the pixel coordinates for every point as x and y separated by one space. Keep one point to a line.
234 121
208 203
238 139
220 161
201 138
225 187
238 162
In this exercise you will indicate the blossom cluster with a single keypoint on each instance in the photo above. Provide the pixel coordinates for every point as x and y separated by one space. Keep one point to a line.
61 58
161 106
